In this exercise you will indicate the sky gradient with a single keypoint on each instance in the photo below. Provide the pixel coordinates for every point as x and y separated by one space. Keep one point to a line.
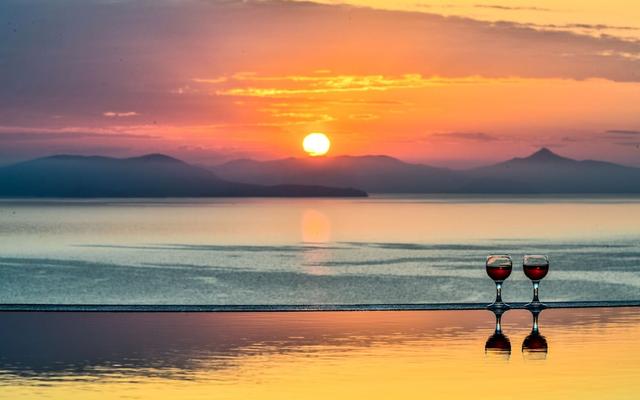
448 83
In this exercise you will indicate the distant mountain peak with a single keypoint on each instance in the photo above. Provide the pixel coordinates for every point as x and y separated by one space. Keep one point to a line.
544 154
544 151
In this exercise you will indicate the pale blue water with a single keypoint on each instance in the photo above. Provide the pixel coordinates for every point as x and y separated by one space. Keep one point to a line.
314 251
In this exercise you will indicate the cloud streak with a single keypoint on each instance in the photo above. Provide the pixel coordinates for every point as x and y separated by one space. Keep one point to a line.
283 86
114 114
512 8
10 134
471 136
623 132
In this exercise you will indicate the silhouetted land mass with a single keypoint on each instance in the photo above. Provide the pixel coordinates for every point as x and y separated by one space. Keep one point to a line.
153 175
541 172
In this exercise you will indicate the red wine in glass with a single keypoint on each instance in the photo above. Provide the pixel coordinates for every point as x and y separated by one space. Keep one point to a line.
499 273
535 267
536 272
499 268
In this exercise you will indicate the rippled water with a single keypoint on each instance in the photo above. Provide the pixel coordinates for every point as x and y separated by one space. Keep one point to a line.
589 354
302 251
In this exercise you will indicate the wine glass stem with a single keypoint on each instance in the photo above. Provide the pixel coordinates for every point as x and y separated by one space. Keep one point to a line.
498 324
498 292
536 284
535 323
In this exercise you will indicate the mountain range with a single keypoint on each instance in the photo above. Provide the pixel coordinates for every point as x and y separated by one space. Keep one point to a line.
157 175
153 175
542 172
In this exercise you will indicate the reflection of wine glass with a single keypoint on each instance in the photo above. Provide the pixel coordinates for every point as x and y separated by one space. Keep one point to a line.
499 268
534 346
498 344
535 268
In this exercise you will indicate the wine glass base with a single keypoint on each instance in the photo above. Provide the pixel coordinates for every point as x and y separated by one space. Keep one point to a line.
535 305
498 306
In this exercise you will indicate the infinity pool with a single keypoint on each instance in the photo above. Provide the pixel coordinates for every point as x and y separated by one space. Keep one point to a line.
586 354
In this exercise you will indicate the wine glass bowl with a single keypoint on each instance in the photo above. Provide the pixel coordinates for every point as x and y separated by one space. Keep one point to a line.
535 267
498 267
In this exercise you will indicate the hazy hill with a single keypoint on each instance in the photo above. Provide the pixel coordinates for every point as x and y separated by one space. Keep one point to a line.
380 174
547 172
541 172
153 175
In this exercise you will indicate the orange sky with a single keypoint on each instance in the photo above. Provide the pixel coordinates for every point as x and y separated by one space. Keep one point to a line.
457 84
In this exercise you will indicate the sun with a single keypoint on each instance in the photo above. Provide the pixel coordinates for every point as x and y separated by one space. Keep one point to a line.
316 144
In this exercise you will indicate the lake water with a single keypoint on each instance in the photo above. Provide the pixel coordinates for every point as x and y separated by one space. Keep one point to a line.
577 354
314 251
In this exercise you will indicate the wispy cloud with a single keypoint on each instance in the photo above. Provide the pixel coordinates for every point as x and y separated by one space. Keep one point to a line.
512 8
292 85
114 114
489 6
624 137
292 118
363 116
472 136
620 54
623 132
18 134
599 27
630 144
598 31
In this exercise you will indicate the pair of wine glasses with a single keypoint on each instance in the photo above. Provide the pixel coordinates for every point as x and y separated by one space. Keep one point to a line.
499 268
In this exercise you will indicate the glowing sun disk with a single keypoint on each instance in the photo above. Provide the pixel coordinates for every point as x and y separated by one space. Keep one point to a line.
316 144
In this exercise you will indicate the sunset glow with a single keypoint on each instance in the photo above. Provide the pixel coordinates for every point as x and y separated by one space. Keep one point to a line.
456 85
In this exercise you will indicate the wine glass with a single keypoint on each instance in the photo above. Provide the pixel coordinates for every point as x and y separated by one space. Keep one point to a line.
535 268
534 346
499 268
498 344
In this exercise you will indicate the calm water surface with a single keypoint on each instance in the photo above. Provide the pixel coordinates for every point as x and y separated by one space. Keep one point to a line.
587 354
300 251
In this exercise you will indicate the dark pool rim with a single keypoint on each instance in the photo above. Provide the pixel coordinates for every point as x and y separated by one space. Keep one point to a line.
293 307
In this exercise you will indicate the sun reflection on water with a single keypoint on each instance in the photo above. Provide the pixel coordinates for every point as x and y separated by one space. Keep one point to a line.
316 234
316 227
